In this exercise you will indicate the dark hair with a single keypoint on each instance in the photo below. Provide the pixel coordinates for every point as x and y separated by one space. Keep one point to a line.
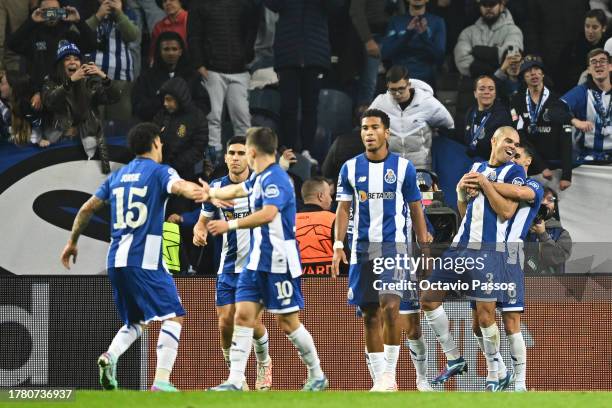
170 36
528 148
377 113
235 140
396 73
21 93
311 185
141 137
594 52
599 15
263 139
482 77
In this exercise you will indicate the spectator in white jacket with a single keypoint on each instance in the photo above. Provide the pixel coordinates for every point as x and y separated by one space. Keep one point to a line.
480 46
415 115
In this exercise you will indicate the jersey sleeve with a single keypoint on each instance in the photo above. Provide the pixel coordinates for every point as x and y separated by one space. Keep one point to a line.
538 190
168 176
103 192
410 190
516 175
344 189
276 190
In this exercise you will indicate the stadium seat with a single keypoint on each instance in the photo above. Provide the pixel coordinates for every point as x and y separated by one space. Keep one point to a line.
335 111
265 102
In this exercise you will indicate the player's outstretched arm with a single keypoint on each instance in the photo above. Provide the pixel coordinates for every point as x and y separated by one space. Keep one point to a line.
81 221
257 219
190 190
225 193
514 192
341 225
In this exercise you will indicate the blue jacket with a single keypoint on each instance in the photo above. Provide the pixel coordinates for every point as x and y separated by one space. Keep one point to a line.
420 53
302 38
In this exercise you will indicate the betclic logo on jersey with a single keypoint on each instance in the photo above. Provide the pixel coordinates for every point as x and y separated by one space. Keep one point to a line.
385 195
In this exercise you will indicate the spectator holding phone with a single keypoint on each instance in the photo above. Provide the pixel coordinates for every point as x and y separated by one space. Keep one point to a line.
38 37
507 75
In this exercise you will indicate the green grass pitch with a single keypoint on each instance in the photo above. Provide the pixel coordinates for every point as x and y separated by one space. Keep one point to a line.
333 399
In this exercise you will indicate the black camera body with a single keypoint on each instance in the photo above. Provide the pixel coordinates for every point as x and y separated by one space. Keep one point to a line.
54 14
544 214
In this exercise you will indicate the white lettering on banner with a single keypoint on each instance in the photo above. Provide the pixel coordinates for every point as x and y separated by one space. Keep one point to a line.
36 323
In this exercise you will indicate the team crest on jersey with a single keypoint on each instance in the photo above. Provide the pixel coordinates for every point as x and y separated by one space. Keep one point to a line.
363 196
182 131
492 176
390 176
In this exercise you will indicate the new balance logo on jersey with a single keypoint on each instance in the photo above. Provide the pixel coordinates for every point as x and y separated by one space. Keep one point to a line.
362 179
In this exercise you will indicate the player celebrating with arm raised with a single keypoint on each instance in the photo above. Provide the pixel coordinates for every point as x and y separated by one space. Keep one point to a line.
271 279
234 253
142 288
387 202
481 242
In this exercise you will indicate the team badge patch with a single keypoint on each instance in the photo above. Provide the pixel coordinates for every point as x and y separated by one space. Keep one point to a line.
492 176
390 176
182 131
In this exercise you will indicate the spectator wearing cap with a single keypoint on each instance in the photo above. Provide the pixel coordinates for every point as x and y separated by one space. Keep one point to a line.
415 114
480 46
221 36
484 118
72 95
416 40
37 41
542 119
115 28
175 20
591 107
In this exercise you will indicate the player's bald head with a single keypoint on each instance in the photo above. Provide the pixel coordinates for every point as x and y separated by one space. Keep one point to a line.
506 131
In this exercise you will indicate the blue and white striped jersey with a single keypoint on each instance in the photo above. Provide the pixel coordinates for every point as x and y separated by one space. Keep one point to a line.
481 225
381 192
236 243
273 246
518 226
137 193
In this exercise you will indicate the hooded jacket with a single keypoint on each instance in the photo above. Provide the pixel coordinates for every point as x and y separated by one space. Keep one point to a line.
411 128
146 99
502 34
553 249
184 133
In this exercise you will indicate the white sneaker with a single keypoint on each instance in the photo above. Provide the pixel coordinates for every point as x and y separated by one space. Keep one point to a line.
385 384
245 386
264 376
308 157
423 385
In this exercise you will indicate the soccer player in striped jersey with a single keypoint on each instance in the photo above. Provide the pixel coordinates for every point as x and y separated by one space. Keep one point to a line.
271 279
143 288
387 201
481 242
234 253
512 304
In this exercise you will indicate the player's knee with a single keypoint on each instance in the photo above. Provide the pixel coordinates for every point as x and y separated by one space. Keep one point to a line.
428 305
390 311
372 319
512 322
288 323
226 322
486 318
412 326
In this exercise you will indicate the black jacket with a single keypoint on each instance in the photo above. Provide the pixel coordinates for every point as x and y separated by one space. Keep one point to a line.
499 116
146 98
552 139
301 38
345 147
184 133
221 34
38 44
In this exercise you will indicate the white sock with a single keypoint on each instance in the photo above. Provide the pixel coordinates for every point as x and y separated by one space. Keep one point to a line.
369 365
391 356
438 321
490 340
418 354
167 349
124 338
226 356
502 371
239 354
302 340
260 346
518 352
377 362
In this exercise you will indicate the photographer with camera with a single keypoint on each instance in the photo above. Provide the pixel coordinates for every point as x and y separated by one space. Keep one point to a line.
547 245
38 37
73 95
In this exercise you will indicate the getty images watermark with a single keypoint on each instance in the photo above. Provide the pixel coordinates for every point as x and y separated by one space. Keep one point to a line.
402 263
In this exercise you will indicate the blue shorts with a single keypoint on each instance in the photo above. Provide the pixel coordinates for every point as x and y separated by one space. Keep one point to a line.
479 272
279 293
513 298
226 288
142 296
374 273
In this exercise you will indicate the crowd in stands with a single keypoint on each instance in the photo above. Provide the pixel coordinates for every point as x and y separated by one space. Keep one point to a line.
206 70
